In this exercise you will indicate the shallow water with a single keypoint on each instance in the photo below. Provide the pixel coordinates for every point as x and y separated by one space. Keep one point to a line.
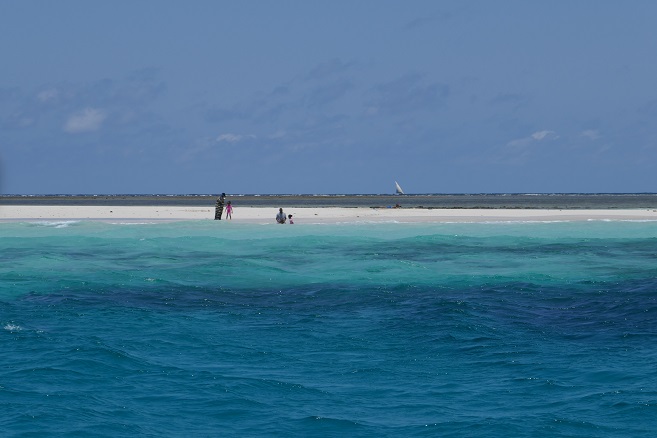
207 328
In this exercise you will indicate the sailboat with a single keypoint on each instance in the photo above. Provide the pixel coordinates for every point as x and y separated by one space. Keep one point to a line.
398 189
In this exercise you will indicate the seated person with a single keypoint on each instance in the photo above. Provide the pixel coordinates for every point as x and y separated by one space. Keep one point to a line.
280 217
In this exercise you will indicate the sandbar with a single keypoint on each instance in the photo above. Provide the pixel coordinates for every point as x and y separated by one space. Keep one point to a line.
314 215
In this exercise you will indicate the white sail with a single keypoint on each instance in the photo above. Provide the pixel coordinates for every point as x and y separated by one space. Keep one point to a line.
398 189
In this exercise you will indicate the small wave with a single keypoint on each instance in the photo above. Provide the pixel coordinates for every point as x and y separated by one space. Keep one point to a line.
554 221
55 224
133 223
621 220
12 327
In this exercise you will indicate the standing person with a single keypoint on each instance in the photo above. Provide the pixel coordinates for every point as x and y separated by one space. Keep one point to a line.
219 208
280 217
229 211
289 216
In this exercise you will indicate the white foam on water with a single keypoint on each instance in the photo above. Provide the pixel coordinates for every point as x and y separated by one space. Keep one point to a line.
56 224
12 327
133 223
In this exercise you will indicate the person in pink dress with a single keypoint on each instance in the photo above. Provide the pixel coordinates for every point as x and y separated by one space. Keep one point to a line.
229 210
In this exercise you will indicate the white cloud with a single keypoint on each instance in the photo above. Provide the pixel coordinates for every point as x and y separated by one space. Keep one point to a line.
591 134
89 119
536 137
543 135
233 138
229 138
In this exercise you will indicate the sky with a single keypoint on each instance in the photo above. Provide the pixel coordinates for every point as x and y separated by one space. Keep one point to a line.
340 96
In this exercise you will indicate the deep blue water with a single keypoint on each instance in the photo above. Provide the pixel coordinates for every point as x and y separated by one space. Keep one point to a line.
224 329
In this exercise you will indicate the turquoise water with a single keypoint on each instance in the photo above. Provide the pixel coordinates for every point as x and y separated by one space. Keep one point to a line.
224 329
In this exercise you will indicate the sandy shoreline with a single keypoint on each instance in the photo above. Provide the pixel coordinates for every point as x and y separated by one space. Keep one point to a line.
305 215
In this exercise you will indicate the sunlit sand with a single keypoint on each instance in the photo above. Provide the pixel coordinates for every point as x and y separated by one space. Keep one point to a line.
312 215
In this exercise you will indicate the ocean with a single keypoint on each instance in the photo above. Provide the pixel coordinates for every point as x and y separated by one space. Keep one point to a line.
209 328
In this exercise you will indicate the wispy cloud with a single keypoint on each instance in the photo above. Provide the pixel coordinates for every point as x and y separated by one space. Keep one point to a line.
278 134
407 93
329 68
87 120
48 95
284 101
536 137
544 135
327 93
591 134
234 138
512 101
69 108
520 150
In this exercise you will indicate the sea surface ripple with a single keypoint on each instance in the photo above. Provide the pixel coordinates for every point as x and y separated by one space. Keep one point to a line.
205 329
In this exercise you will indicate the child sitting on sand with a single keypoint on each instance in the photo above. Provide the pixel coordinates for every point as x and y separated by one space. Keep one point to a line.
290 218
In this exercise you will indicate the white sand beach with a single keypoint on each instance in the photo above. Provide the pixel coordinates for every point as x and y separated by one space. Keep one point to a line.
311 215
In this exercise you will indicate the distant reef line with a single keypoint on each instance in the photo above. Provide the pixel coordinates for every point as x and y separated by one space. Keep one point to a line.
426 201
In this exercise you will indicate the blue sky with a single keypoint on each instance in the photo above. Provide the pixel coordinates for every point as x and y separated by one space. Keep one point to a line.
327 96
